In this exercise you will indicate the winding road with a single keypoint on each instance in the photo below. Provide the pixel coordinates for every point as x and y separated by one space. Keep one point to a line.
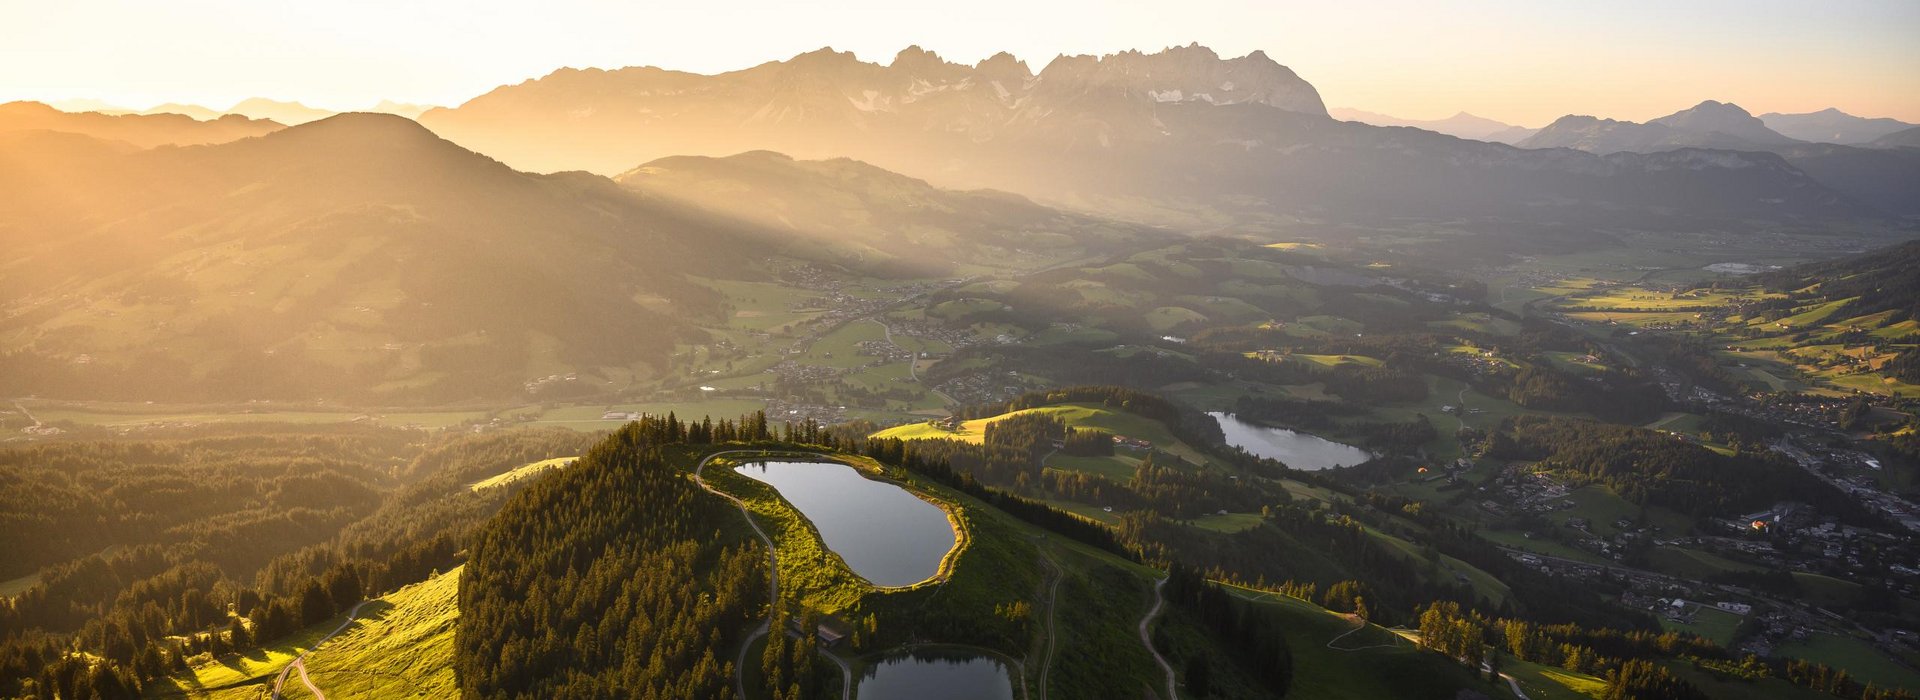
1147 639
299 663
773 568
773 586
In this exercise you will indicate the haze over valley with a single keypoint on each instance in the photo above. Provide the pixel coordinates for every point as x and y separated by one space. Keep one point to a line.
722 368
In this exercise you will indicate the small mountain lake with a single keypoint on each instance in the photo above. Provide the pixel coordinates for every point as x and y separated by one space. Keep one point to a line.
932 675
886 535
1295 449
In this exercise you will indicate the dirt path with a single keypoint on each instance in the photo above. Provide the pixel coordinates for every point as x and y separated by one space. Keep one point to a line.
773 570
1147 639
1511 683
1362 626
1053 598
773 586
299 662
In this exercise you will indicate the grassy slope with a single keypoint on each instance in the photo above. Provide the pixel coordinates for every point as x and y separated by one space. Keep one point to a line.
521 472
1788 350
400 646
1382 665
1861 660
1551 683
243 671
1078 415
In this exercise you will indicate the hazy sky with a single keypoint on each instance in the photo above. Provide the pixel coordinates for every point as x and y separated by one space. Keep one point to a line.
1524 61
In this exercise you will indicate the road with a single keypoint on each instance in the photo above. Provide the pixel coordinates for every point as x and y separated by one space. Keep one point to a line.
913 362
773 568
299 662
1511 683
308 682
1053 597
773 585
1147 639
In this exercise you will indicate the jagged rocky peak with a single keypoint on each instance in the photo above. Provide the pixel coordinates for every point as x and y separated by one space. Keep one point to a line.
1004 68
921 64
1191 73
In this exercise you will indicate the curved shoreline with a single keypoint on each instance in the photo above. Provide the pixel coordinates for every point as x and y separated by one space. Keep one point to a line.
956 520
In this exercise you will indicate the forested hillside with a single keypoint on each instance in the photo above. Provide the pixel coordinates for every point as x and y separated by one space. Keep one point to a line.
153 558
617 577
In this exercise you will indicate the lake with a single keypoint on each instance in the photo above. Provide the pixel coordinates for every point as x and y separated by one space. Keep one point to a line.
1295 449
886 535
929 675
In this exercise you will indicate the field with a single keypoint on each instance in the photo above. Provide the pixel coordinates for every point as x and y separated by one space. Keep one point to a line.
1119 466
1810 347
1366 665
1230 522
1540 545
1073 414
1859 658
13 587
1736 689
521 472
1602 507
1826 590
1553 683
1694 564
1712 623
401 645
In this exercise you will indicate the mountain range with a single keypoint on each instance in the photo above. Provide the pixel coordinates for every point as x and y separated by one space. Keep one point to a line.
283 111
361 256
1904 138
1462 124
135 130
1832 126
1709 124
357 256
1887 179
1182 137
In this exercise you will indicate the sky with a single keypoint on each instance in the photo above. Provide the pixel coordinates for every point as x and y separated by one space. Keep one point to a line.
1518 61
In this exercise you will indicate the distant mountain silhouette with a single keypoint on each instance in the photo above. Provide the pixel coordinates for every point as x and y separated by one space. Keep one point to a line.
195 111
144 131
1181 137
1888 181
1709 124
1905 138
1832 126
1463 125
289 113
410 111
